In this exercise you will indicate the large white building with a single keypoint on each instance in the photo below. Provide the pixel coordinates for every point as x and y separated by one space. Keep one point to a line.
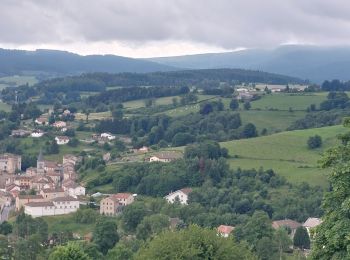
179 195
57 206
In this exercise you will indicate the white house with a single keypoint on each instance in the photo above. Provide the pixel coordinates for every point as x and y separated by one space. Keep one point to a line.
57 206
179 195
62 140
66 112
39 209
109 136
37 133
42 120
144 149
165 157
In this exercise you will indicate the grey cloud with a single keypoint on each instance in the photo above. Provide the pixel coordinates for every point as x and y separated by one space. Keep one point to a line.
225 23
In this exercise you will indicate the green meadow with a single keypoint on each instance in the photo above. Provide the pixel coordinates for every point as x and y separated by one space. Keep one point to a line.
286 153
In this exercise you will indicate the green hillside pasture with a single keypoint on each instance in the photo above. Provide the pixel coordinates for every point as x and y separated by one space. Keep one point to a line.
93 116
161 101
4 107
33 145
18 80
273 121
58 224
284 101
286 153
141 102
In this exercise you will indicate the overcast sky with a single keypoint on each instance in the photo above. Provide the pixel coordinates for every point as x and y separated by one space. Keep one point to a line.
146 28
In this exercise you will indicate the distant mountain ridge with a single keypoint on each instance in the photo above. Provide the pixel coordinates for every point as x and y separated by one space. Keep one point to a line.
61 63
308 62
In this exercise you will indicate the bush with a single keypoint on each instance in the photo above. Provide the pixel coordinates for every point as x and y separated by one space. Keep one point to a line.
314 142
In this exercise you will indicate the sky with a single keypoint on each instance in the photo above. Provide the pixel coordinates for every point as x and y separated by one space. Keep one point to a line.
154 28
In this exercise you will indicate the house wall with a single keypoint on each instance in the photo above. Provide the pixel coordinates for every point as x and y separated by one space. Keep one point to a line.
78 191
60 208
178 195
39 211
108 207
66 207
20 202
127 201
52 195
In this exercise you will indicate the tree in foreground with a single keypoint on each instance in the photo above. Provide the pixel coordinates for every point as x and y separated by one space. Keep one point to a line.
71 251
301 238
105 234
332 236
120 252
193 243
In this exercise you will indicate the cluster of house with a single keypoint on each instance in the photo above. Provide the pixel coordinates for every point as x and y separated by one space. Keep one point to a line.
245 94
248 93
43 120
54 183
181 196
291 225
37 133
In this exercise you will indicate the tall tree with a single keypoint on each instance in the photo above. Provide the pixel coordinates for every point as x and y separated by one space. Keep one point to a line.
301 238
193 243
71 251
332 236
234 104
105 234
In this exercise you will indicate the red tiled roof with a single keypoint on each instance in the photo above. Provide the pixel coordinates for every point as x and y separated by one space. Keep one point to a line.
312 222
30 197
68 198
40 204
225 229
122 195
53 190
186 190
285 223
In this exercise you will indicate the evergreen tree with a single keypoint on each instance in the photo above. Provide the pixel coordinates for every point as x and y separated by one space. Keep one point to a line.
332 236
301 238
234 104
105 234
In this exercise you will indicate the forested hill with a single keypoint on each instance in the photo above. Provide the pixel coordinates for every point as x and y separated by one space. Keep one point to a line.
201 78
308 62
60 63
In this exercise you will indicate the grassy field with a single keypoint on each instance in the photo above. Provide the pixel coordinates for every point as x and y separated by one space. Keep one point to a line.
4 107
18 80
286 153
273 121
61 223
141 102
284 101
33 146
161 101
94 116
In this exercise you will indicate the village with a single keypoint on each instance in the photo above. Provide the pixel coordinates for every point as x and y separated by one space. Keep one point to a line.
51 189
